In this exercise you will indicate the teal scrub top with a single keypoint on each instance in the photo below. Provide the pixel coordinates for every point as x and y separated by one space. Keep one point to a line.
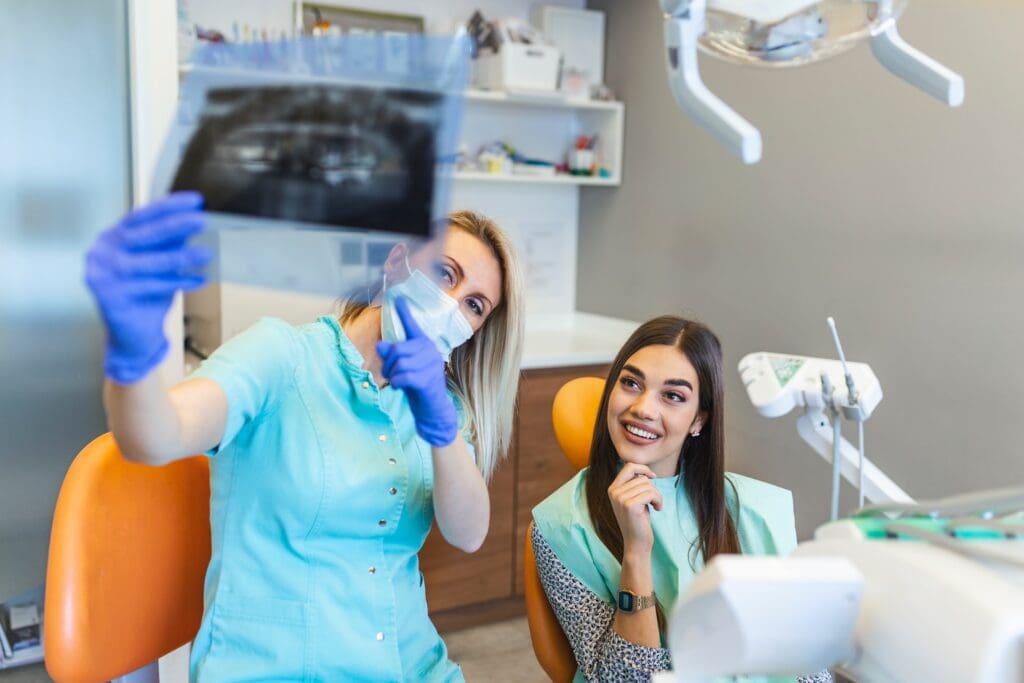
321 498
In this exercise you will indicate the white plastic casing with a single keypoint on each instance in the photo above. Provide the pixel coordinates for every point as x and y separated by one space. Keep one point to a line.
765 615
928 614
777 383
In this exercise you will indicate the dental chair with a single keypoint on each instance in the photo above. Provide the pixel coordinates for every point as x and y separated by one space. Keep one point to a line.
573 414
128 554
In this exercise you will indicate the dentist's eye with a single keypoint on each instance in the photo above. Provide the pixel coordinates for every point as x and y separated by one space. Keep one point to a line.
475 306
675 397
446 275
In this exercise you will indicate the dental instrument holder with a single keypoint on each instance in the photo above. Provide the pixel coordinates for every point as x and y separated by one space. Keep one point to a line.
837 434
778 383
858 414
685 23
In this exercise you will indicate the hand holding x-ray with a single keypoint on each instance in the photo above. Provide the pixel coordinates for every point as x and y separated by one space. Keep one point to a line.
134 269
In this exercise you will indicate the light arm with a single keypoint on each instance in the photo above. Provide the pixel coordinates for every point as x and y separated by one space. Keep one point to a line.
913 66
683 26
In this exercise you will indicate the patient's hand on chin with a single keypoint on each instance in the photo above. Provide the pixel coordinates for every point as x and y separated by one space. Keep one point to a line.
630 493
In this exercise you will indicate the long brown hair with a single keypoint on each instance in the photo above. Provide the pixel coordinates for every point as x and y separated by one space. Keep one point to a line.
702 458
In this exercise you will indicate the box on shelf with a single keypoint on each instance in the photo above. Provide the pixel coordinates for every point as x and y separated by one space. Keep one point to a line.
518 65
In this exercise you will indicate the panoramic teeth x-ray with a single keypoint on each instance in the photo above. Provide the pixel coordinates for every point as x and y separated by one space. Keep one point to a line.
338 155
324 152
349 133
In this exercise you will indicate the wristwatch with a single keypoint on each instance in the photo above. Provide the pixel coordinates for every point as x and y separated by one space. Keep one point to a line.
630 602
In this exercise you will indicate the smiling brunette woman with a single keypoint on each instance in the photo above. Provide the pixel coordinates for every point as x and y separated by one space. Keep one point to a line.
619 542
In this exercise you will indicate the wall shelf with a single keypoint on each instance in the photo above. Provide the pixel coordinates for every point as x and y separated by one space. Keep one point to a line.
562 179
542 126
541 100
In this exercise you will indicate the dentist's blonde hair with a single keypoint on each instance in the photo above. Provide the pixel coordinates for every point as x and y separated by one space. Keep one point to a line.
483 373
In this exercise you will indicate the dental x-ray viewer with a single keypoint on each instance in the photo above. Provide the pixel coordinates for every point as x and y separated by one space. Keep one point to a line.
331 448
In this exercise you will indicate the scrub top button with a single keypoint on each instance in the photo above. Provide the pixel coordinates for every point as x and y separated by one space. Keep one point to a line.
392 461
392 490
372 570
382 522
380 636
382 438
366 385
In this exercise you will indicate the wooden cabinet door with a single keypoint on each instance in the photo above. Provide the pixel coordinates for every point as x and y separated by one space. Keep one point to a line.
534 468
540 465
457 579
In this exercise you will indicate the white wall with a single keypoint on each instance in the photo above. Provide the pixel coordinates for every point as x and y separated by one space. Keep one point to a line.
874 203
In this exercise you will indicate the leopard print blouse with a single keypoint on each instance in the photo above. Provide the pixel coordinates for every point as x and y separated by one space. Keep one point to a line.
601 653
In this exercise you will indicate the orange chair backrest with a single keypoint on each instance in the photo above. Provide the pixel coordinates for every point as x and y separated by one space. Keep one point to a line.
550 645
128 555
573 414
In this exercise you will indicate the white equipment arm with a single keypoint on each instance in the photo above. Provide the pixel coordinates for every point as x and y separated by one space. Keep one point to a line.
685 23
913 66
732 130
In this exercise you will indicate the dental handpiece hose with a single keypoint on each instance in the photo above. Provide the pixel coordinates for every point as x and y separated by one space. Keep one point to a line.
837 436
854 399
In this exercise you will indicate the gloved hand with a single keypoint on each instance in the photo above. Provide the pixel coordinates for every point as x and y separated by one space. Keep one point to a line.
134 268
415 366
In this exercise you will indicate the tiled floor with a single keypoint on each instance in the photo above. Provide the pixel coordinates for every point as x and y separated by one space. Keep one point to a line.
33 673
496 652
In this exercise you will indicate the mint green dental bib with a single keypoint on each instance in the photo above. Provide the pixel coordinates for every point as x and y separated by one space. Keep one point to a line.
765 526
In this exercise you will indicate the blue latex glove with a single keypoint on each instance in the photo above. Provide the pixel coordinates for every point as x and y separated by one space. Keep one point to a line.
134 268
416 367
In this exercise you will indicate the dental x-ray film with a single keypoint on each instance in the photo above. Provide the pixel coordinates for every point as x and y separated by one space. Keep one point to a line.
334 155
352 138
329 133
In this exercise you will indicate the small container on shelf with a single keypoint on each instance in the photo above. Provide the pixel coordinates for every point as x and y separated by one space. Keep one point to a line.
523 61
581 161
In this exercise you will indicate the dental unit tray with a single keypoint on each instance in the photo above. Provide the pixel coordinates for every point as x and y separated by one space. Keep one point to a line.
779 383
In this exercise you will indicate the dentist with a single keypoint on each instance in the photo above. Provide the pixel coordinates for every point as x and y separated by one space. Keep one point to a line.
333 446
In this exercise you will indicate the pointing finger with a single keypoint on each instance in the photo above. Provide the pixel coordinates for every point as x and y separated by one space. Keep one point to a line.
412 328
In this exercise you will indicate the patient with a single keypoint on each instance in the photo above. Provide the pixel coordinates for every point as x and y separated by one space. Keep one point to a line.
619 543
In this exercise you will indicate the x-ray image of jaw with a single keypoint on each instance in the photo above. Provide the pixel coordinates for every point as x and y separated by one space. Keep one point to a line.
335 155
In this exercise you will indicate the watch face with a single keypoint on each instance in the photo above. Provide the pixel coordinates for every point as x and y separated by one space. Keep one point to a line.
626 601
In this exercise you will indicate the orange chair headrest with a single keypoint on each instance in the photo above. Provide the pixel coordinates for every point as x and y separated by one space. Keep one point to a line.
128 554
573 415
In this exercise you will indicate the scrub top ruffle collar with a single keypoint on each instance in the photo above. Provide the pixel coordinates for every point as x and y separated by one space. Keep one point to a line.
350 355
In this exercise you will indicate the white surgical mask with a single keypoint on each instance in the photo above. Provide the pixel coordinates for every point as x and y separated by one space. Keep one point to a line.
437 314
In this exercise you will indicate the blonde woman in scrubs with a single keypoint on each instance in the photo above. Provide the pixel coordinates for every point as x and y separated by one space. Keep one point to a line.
332 451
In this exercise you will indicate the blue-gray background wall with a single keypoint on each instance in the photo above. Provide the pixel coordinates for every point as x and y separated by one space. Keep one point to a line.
64 170
874 203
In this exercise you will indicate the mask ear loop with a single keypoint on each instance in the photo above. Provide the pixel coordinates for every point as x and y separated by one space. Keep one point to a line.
384 275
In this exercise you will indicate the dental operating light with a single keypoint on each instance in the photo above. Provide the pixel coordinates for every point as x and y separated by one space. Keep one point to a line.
785 33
